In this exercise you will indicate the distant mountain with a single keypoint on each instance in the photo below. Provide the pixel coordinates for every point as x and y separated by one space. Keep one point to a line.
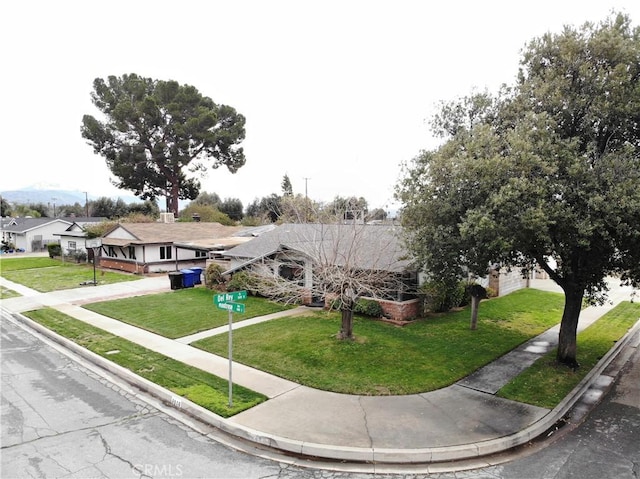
59 197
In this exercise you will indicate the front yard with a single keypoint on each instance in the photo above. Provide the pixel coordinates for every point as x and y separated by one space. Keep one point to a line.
179 313
45 274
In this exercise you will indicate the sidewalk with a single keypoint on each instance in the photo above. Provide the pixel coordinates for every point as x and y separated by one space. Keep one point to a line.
462 421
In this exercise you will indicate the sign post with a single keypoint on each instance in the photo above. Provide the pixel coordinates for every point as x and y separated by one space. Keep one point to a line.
228 301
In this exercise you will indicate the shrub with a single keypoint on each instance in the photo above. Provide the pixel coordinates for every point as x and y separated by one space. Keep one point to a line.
78 255
368 307
241 281
439 296
54 250
213 276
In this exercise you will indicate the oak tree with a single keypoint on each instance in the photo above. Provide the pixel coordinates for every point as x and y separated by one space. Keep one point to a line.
547 173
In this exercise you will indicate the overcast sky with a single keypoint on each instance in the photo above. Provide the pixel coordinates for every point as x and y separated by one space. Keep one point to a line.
336 94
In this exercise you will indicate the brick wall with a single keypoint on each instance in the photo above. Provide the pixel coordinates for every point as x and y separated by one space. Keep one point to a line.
129 267
401 310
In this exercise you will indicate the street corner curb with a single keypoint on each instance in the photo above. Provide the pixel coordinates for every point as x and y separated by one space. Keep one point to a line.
480 451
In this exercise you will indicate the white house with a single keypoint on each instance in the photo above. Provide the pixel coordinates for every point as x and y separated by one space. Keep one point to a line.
73 238
33 234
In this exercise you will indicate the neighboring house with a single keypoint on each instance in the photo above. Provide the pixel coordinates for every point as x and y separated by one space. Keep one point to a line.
504 281
33 234
301 247
161 247
72 240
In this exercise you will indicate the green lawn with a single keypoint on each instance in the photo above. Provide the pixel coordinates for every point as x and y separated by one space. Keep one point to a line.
546 383
6 293
18 263
200 387
45 274
385 359
180 312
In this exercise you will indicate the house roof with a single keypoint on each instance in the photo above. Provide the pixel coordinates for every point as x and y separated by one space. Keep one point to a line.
22 225
371 247
83 220
220 244
167 233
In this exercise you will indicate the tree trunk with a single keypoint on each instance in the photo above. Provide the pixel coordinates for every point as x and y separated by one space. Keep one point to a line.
173 198
346 329
475 303
569 326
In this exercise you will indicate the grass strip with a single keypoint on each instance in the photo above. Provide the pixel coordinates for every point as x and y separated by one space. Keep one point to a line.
545 383
29 262
200 387
384 359
179 313
6 293
62 276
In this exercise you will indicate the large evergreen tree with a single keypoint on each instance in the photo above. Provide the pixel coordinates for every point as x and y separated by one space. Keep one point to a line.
546 174
154 132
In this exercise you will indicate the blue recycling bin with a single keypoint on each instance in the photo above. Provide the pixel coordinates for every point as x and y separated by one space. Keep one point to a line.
198 274
188 278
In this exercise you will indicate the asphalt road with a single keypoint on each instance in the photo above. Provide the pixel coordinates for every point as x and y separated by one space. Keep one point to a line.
61 419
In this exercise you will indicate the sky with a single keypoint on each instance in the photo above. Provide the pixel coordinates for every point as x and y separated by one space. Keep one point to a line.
336 94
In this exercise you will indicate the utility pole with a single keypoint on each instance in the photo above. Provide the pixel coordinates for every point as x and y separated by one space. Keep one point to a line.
306 196
306 201
86 203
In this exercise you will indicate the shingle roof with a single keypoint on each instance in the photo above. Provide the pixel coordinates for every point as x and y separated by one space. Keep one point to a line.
164 233
25 224
361 246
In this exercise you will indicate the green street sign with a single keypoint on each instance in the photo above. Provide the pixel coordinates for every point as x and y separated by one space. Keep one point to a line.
233 307
229 297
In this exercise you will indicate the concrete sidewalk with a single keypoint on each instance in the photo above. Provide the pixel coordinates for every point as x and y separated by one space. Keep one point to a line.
463 421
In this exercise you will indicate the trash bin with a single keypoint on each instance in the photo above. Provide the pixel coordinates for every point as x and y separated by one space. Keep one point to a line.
197 270
188 278
175 278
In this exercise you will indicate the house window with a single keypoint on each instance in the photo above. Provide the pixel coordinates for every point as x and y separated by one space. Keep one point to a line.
293 271
201 254
132 252
165 252
111 252
71 245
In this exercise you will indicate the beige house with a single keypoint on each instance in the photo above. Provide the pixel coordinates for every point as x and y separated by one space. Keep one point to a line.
161 247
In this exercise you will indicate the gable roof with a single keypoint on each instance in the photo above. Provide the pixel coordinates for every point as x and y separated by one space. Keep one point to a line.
166 233
371 247
22 225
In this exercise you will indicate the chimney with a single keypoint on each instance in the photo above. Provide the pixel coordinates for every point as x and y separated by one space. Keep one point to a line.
167 218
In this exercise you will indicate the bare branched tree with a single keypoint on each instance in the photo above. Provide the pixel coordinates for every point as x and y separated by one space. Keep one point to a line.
338 263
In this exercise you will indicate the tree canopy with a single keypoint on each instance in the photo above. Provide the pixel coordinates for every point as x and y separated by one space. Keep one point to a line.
155 133
546 172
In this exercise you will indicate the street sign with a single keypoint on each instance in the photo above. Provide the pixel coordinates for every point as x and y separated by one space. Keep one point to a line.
229 297
234 307
227 301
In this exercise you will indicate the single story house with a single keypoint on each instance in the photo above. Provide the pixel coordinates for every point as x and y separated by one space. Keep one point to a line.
297 251
73 238
294 251
33 234
161 247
